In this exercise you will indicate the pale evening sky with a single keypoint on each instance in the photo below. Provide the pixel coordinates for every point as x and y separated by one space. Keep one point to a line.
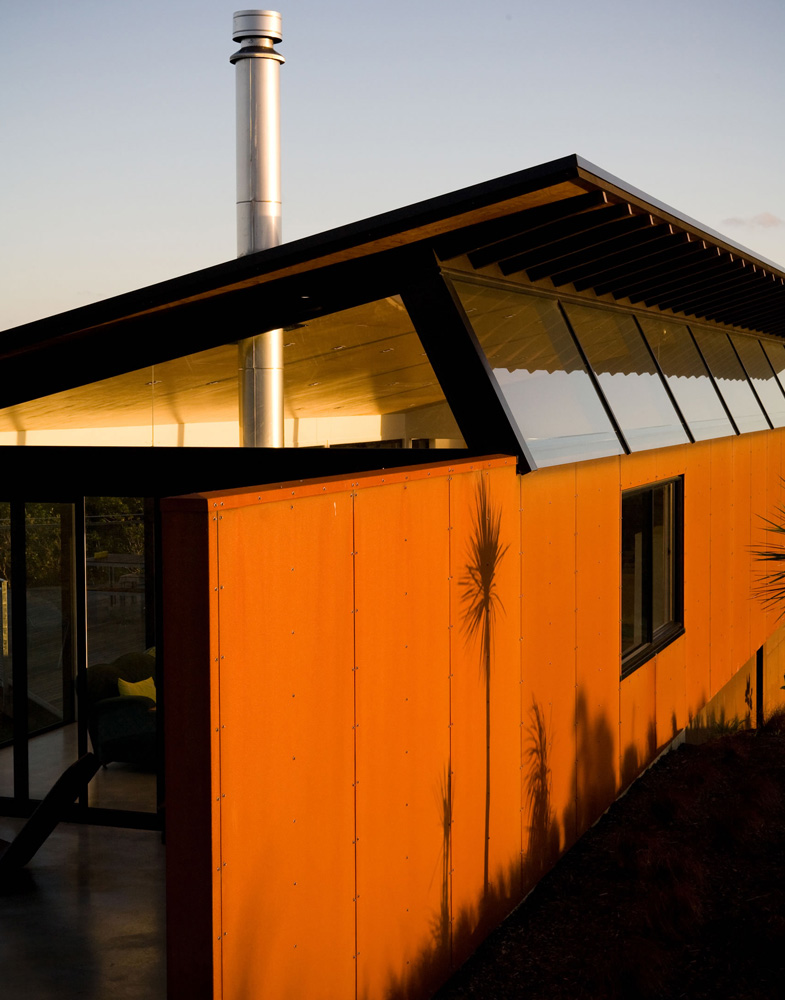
117 121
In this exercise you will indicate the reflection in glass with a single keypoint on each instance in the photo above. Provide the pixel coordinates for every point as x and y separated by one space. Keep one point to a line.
730 378
50 664
762 376
114 544
360 376
6 687
628 377
353 377
648 565
541 374
689 381
635 619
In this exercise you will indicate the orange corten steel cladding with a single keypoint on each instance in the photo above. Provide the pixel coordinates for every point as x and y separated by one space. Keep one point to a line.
383 826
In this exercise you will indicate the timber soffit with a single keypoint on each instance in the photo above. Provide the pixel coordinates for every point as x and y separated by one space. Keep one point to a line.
565 222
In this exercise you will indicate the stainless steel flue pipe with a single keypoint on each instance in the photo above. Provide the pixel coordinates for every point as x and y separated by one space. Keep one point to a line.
257 69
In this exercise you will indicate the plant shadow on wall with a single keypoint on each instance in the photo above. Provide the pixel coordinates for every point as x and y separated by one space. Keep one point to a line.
543 847
770 588
481 604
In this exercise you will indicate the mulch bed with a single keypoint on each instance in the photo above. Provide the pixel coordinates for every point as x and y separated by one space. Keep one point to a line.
678 891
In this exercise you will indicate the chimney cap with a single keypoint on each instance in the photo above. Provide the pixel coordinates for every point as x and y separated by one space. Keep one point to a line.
256 24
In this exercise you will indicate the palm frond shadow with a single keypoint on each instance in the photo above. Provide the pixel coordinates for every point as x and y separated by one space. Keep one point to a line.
770 589
481 605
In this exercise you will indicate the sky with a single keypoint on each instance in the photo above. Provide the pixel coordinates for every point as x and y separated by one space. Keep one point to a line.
117 150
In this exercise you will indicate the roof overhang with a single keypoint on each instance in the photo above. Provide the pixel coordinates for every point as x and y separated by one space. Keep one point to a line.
563 223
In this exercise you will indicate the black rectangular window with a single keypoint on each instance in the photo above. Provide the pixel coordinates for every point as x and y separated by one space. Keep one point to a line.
651 571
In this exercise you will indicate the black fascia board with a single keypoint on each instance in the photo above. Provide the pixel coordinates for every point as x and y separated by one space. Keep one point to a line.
219 278
153 338
613 185
472 393
170 471
191 302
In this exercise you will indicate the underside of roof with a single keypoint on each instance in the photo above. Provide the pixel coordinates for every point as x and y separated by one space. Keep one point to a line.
563 225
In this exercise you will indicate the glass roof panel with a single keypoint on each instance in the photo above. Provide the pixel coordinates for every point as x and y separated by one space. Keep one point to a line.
688 377
355 377
541 374
762 376
628 377
730 378
775 352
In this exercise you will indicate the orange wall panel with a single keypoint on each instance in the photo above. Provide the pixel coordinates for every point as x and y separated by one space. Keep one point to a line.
741 557
598 602
548 671
485 730
720 577
403 737
764 481
774 672
637 721
697 576
671 694
287 749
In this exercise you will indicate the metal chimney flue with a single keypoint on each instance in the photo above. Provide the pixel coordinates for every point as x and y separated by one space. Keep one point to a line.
257 70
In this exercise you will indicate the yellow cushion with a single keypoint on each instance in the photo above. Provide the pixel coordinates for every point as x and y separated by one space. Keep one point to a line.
145 688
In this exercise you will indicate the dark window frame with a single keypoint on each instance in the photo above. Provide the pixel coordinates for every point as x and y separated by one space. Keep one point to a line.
656 639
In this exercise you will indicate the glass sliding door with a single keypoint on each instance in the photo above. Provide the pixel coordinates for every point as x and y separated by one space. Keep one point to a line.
6 665
50 594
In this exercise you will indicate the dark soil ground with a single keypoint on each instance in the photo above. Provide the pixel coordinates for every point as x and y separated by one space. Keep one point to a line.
678 891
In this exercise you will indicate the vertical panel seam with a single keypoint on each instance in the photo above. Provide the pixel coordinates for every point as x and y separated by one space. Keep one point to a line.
354 725
220 747
450 624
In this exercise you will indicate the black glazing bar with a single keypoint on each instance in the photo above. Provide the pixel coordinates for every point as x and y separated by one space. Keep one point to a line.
149 571
473 395
664 381
759 720
751 384
774 375
19 650
67 609
152 506
713 381
596 383
80 631
648 567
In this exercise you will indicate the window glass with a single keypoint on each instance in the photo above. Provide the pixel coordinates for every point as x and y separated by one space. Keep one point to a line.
730 378
775 352
688 378
359 376
540 372
762 376
628 377
651 533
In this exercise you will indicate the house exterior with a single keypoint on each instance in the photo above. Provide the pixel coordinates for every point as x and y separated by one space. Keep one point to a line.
506 557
